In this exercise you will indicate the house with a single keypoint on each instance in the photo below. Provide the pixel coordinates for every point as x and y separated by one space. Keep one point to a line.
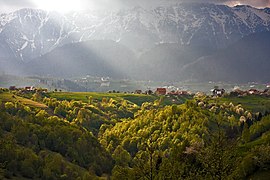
218 92
253 91
266 92
45 90
183 93
29 88
160 91
237 92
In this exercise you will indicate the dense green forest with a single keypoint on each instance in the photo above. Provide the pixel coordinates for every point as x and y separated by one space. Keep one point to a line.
61 135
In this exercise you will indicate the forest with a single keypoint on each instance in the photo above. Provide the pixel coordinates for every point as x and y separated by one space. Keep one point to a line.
58 135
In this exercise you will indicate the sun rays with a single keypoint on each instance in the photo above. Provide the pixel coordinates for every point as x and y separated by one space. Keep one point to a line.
62 6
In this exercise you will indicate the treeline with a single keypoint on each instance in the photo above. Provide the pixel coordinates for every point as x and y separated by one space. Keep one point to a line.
200 139
35 144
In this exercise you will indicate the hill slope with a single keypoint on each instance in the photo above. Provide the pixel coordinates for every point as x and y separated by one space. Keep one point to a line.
246 60
30 33
96 58
165 61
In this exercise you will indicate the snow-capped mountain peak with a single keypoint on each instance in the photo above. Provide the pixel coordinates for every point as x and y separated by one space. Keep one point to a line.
30 33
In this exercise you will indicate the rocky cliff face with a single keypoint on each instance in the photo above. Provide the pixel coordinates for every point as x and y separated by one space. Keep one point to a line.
29 33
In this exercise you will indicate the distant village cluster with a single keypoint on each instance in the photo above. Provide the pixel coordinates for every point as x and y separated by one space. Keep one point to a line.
239 92
216 92
28 89
158 91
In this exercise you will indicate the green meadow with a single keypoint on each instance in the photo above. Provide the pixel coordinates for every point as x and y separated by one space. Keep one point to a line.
254 103
137 99
9 97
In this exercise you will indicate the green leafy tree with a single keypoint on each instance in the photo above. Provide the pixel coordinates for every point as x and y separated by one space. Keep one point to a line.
121 156
10 107
246 133
219 157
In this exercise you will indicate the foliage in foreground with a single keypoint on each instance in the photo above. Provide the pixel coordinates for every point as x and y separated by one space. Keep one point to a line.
68 139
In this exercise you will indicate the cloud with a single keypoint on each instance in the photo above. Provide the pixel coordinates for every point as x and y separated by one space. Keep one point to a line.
127 3
11 5
16 3
255 3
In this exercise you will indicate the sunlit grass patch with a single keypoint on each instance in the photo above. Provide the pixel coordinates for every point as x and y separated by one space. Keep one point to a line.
9 97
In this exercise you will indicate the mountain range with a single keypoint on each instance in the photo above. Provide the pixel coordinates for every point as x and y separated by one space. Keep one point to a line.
245 60
189 41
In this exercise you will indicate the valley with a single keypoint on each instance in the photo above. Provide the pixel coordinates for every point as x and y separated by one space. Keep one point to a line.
113 135
182 42
134 90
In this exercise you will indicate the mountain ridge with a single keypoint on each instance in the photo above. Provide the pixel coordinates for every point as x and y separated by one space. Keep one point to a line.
157 43
245 61
33 32
95 58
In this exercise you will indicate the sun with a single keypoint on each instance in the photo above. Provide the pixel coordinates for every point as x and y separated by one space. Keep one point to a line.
62 6
237 4
233 3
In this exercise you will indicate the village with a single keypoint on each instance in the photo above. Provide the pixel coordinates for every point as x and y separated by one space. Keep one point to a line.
161 91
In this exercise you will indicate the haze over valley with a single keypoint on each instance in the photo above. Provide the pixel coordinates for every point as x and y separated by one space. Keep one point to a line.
196 42
134 89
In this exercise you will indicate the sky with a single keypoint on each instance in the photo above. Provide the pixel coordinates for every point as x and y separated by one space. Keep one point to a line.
73 5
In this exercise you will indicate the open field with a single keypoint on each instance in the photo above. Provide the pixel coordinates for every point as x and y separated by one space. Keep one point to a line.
253 103
138 99
9 97
83 96
126 120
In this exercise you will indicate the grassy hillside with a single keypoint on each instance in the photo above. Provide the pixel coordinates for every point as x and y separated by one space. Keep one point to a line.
137 99
88 135
254 103
10 97
244 61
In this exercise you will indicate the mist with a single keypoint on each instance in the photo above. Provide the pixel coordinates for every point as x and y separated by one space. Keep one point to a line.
8 6
149 44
